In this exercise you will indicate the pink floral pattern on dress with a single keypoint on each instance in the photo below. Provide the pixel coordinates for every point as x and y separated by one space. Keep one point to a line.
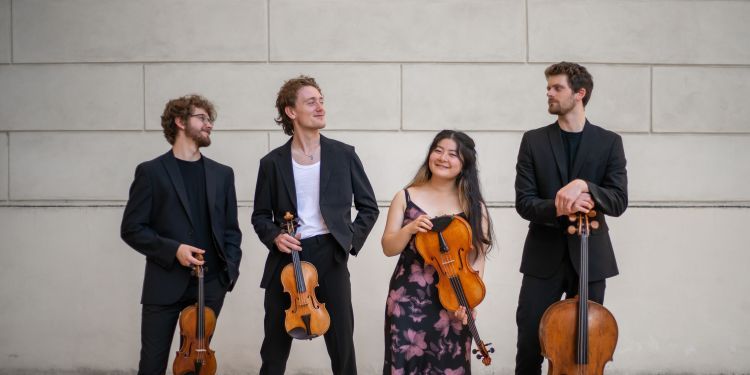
421 338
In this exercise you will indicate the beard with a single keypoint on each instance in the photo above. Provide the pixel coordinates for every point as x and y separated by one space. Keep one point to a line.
560 108
200 139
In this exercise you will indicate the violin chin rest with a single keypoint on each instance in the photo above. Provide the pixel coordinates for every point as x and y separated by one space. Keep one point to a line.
439 223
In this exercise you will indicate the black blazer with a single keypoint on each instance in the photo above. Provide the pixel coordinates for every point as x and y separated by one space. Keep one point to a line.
157 220
542 170
342 177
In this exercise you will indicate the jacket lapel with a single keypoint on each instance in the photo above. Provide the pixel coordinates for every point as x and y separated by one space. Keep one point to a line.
326 164
555 140
583 149
173 170
284 164
211 178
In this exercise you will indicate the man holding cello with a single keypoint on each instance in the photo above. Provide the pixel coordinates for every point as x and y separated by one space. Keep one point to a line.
314 179
564 168
182 206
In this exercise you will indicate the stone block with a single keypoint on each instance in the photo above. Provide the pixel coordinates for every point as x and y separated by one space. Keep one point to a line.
139 30
78 165
71 97
512 97
3 166
688 167
661 32
245 94
701 99
101 166
474 97
413 30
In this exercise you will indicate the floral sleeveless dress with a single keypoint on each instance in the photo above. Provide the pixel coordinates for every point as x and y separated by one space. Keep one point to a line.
420 336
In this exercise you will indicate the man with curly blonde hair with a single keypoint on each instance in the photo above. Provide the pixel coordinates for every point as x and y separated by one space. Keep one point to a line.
181 213
316 179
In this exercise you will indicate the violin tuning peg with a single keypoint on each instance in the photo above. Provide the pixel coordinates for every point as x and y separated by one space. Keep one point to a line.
572 218
492 350
591 213
571 230
479 356
594 224
474 351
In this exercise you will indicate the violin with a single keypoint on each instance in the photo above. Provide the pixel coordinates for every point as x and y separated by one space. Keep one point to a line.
306 318
197 324
446 247
578 336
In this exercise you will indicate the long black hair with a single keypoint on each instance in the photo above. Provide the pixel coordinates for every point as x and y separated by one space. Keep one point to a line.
467 181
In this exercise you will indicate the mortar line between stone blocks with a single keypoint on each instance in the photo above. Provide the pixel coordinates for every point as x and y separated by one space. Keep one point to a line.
526 11
12 58
268 31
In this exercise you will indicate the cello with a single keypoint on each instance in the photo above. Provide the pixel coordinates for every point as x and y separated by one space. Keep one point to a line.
578 336
197 324
446 247
306 318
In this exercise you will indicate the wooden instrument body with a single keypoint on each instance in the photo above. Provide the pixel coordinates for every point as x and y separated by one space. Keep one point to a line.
457 236
306 318
446 248
197 324
185 361
576 335
558 325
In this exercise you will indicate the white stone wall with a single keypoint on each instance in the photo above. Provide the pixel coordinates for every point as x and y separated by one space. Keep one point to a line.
82 84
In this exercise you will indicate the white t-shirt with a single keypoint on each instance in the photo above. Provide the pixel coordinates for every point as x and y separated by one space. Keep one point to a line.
307 185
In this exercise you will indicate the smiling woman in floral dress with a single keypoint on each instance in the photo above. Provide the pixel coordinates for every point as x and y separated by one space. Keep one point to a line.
421 337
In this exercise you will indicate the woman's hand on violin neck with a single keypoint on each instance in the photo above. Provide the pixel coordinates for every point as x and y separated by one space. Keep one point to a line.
185 256
420 224
286 243
461 315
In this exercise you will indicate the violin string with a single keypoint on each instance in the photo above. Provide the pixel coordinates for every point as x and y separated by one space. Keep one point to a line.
458 289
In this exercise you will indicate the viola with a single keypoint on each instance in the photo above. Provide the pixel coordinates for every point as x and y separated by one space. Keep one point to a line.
578 336
306 318
446 247
197 324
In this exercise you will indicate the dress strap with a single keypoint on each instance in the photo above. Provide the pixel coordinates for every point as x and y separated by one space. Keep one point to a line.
406 194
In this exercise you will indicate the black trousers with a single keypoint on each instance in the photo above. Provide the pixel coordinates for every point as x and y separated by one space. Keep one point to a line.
158 323
535 297
334 290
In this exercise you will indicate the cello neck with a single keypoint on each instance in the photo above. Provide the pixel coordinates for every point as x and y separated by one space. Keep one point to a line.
583 292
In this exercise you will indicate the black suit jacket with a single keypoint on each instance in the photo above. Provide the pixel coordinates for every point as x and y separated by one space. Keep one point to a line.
157 220
342 177
542 170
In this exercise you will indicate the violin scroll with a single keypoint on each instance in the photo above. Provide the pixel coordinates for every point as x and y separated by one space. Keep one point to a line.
483 352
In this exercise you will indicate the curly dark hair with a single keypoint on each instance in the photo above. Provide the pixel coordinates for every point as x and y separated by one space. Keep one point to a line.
578 77
287 97
182 108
